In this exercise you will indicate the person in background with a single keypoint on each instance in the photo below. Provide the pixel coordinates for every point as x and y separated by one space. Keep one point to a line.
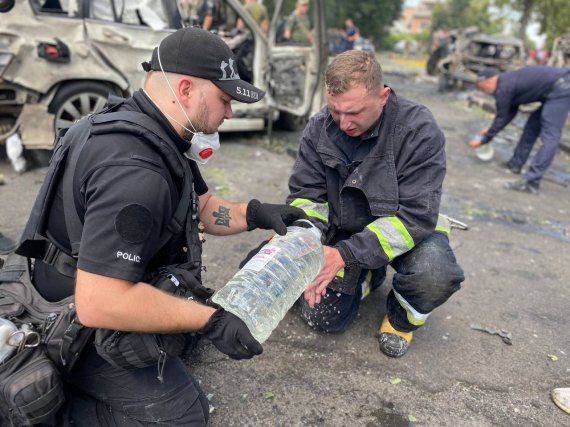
259 13
298 26
210 16
534 83
189 10
351 33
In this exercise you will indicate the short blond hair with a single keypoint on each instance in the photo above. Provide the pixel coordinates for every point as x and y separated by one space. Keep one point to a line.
351 68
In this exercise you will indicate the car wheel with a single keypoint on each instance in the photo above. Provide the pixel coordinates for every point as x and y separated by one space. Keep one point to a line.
437 55
76 100
288 121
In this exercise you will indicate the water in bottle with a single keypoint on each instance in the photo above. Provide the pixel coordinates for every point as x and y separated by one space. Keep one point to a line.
267 286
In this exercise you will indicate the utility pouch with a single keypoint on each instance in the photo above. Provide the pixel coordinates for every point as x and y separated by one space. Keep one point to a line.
66 337
31 390
129 350
62 336
180 280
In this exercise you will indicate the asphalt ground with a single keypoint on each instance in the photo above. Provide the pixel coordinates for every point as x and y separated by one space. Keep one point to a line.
515 257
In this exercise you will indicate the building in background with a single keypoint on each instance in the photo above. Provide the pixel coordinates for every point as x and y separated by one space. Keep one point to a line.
416 19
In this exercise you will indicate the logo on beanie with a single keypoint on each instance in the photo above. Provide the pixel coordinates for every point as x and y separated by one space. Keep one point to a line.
225 67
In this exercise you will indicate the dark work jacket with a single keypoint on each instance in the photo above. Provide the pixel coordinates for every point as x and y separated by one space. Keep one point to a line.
518 87
401 177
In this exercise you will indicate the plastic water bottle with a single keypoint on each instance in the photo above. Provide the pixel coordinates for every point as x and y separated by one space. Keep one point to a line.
15 152
267 286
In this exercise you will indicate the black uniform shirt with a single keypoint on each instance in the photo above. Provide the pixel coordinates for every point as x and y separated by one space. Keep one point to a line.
125 196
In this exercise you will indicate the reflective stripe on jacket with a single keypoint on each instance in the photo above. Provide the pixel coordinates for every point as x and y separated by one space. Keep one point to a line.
386 205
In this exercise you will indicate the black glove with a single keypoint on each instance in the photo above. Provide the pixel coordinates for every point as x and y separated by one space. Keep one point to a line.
252 253
267 216
231 336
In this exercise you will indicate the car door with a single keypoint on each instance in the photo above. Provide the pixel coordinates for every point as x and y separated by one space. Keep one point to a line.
295 71
124 32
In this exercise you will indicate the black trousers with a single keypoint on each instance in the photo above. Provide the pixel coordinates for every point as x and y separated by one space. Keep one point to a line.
425 278
101 395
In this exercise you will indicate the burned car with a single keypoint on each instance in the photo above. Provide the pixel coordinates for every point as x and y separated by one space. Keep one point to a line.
59 60
465 52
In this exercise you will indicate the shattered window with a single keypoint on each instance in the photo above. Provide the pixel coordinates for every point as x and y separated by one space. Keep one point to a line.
133 12
51 6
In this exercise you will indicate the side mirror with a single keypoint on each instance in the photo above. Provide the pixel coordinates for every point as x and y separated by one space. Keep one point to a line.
6 5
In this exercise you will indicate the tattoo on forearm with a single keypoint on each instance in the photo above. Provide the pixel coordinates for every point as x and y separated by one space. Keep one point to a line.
222 216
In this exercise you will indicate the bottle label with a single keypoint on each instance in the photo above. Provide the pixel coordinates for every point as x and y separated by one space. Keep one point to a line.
266 254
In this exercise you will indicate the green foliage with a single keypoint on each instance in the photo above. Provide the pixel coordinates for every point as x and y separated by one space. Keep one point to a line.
456 14
552 14
373 17
286 9
554 18
390 40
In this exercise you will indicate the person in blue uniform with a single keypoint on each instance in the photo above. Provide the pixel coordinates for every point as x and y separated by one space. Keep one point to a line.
535 83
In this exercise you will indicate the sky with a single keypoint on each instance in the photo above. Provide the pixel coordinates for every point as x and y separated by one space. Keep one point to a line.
532 30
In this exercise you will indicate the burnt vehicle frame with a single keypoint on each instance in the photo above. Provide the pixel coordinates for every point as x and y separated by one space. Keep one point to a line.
59 63
458 60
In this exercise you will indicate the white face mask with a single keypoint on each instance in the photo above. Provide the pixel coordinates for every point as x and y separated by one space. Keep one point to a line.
202 145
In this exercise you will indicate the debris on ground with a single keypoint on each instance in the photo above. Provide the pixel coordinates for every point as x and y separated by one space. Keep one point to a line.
503 333
561 397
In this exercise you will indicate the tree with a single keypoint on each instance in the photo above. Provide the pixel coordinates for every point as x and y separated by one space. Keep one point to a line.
553 17
525 8
463 14
372 17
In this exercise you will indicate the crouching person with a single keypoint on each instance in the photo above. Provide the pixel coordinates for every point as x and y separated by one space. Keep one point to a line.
117 224
369 173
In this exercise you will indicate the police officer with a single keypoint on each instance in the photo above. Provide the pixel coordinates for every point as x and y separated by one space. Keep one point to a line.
125 193
369 173
535 83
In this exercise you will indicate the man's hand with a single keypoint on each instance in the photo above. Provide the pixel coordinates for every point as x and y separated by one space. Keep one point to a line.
318 287
231 336
268 216
474 143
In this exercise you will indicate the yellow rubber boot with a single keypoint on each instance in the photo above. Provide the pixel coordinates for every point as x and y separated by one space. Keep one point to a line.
393 343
